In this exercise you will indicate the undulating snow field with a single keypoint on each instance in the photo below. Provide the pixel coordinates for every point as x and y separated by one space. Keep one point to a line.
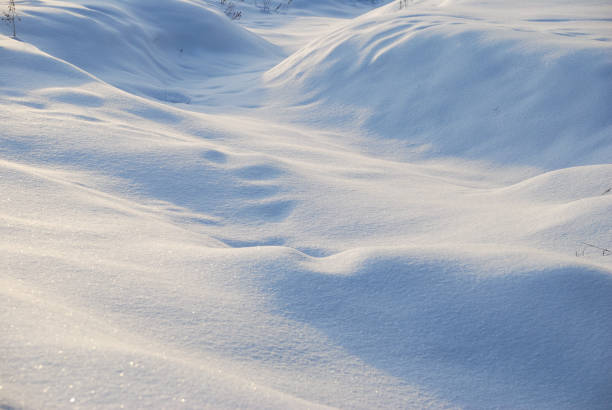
344 204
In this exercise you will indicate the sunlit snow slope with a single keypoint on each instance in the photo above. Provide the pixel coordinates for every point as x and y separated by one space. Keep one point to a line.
335 206
521 83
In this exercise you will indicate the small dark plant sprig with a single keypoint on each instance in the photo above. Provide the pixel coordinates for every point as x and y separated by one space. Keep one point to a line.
265 5
10 16
232 12
268 6
604 251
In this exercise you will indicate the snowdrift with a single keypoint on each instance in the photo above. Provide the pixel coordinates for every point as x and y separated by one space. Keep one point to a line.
337 8
411 310
504 83
142 46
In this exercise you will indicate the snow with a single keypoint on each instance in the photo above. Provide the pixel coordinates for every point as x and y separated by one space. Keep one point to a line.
342 205
519 83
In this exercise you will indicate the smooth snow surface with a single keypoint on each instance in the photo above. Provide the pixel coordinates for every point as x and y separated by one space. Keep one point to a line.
341 205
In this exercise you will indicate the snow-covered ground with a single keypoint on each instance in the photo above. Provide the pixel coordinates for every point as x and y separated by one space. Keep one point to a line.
345 204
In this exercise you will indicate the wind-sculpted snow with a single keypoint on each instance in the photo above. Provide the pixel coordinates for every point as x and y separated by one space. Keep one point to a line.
411 211
141 46
520 86
412 310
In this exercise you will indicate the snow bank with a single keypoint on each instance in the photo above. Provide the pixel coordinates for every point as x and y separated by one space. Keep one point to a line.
141 46
511 84
337 8
534 335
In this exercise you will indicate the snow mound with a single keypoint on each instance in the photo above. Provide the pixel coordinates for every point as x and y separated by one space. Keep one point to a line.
339 8
564 185
25 67
426 308
455 79
141 46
